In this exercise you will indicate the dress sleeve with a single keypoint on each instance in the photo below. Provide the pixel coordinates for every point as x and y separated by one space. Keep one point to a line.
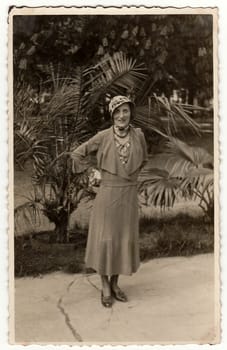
81 152
144 148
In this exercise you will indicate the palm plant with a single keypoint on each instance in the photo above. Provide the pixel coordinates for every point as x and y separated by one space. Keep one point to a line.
182 171
67 118
63 122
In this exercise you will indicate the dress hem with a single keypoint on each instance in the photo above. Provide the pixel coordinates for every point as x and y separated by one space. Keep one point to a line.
108 273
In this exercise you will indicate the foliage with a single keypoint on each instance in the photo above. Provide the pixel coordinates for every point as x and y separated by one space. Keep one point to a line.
182 171
111 75
163 117
60 125
60 104
176 49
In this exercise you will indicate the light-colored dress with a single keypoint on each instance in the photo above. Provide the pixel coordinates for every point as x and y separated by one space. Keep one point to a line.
113 237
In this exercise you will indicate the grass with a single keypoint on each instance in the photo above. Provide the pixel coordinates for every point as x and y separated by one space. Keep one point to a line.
179 236
182 235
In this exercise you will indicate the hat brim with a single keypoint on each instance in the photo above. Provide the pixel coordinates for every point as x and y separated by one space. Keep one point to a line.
132 108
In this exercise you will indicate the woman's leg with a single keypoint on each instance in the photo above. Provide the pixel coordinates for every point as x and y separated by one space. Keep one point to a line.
105 286
116 291
114 282
106 296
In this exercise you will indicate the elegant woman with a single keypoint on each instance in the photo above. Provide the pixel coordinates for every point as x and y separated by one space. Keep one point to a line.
112 246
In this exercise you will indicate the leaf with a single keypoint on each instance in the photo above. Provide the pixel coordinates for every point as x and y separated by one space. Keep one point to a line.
182 158
161 189
148 121
156 113
27 216
112 75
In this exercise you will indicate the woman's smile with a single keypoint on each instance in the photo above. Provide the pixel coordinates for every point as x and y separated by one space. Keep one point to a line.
122 116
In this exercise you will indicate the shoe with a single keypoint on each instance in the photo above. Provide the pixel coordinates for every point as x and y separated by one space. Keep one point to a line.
119 295
106 301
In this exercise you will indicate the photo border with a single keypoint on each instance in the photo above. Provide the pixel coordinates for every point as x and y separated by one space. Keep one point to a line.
101 10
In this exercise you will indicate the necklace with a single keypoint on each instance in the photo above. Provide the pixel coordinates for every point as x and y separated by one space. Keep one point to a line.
121 135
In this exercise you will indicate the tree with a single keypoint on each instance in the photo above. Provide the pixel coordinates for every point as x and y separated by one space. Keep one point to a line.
61 124
176 49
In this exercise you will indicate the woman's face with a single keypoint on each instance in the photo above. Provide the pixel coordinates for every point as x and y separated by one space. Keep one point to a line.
121 116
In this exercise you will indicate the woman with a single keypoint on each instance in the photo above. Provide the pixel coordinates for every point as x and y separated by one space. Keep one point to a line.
112 246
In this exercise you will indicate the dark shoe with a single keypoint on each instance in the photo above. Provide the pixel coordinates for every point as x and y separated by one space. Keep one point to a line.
119 295
106 301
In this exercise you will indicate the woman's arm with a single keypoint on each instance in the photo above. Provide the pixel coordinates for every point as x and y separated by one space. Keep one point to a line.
79 154
144 149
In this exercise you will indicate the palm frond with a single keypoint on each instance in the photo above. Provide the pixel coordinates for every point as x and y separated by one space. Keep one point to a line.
197 181
181 171
65 100
158 188
158 114
112 75
182 158
26 144
173 114
27 215
200 187
148 121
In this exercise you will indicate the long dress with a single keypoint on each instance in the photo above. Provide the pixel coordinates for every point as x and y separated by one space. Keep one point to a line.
113 236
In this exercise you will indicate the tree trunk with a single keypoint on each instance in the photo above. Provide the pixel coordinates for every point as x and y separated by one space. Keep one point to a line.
61 228
191 94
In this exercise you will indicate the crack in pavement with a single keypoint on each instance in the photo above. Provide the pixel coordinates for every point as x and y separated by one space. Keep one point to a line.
71 283
60 306
92 284
111 309
68 323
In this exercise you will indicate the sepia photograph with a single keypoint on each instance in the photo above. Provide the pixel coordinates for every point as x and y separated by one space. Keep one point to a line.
113 176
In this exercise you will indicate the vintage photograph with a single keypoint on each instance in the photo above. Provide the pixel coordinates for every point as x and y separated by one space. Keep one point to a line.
114 218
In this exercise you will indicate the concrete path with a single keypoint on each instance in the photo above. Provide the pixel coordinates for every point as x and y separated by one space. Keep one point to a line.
171 300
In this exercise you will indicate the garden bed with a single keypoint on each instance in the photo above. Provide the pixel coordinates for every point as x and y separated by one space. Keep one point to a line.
159 237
